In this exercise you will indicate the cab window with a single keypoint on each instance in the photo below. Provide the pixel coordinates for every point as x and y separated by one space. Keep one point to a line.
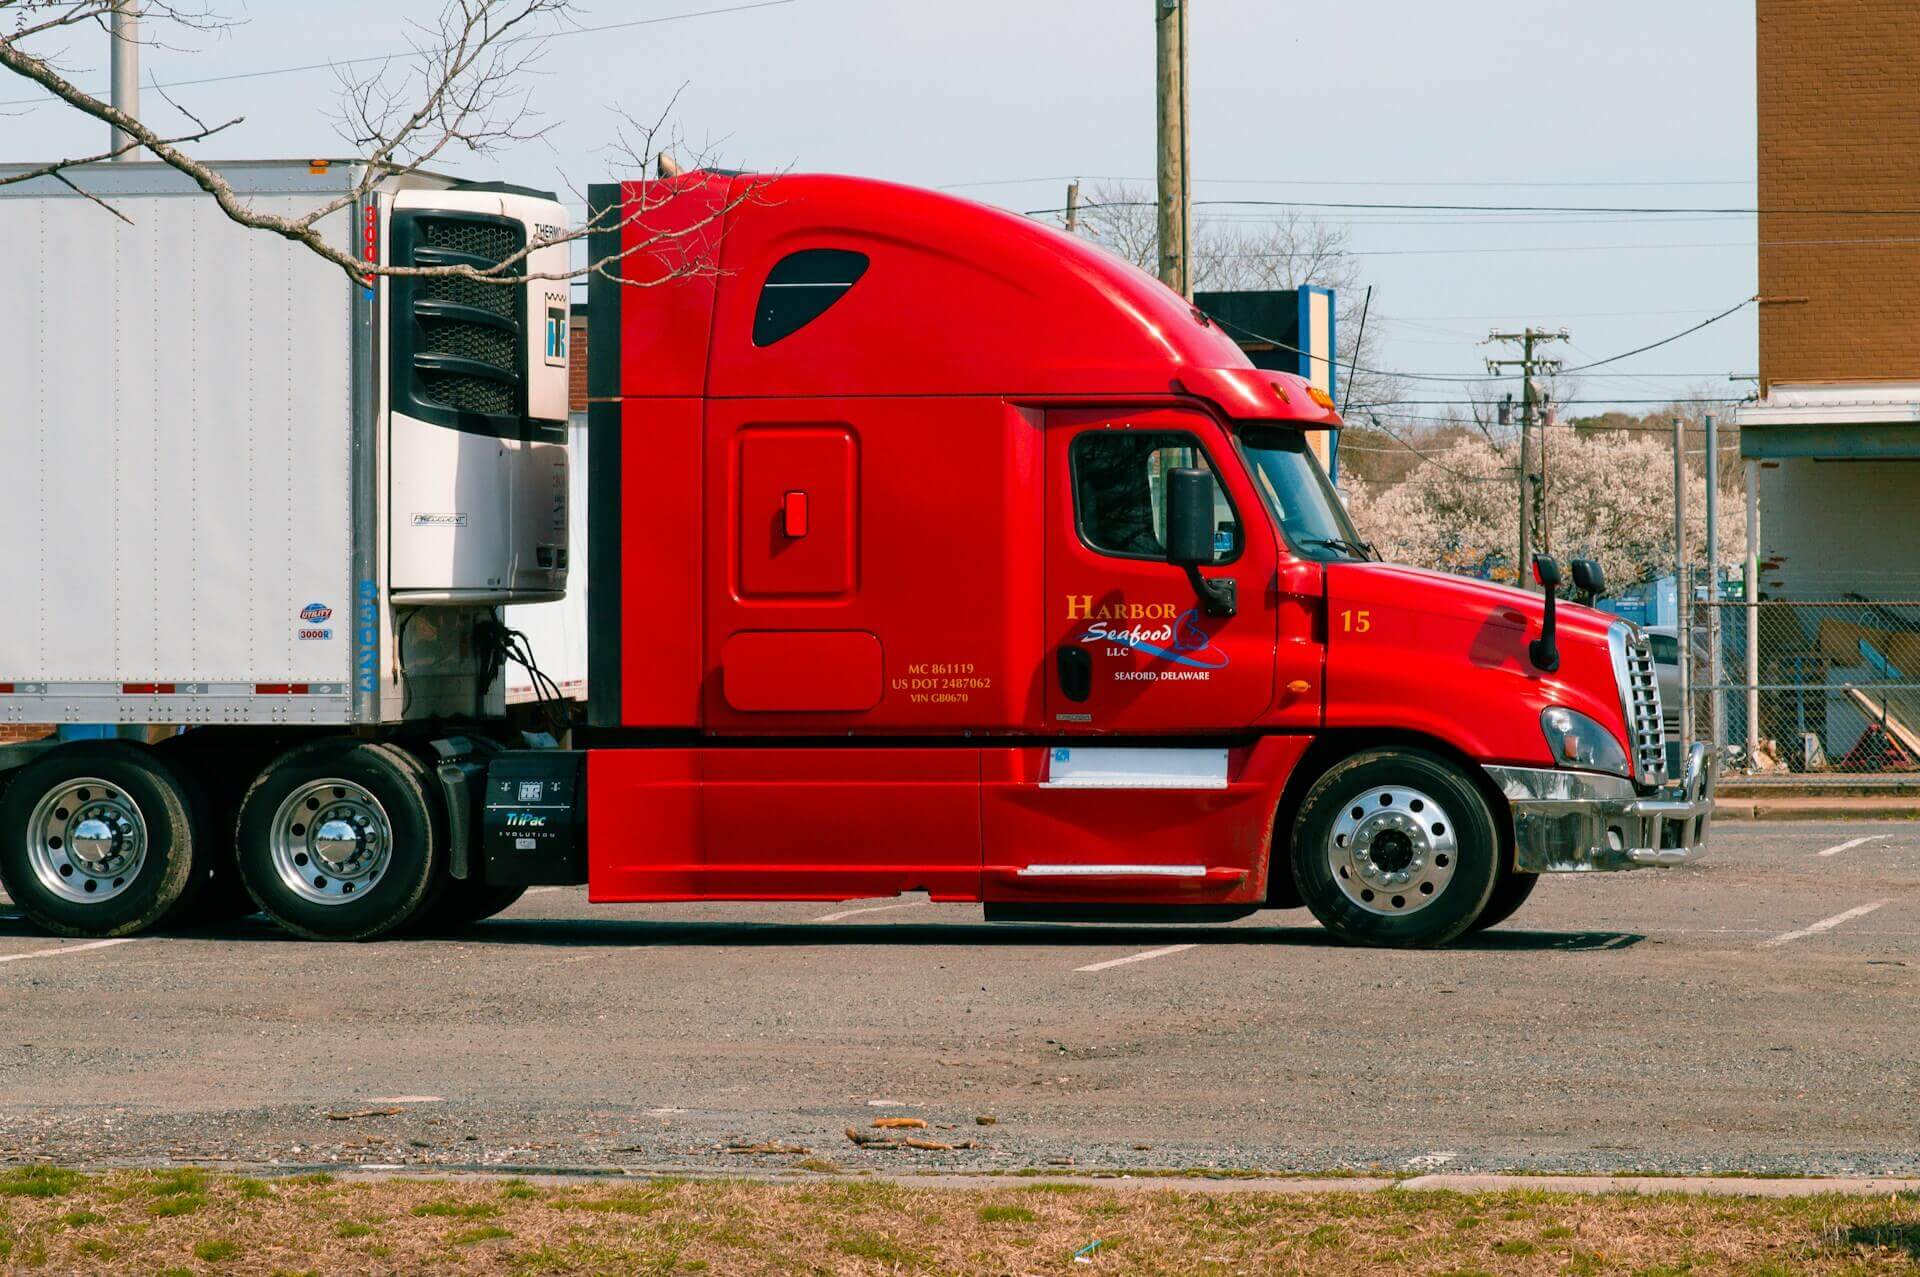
1119 487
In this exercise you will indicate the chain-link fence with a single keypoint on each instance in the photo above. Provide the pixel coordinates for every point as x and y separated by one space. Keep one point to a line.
1815 688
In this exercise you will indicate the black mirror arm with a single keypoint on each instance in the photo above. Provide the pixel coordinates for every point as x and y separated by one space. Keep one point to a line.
1217 597
1545 650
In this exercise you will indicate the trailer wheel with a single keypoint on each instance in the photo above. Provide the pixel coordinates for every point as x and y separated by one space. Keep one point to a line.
1397 848
1510 893
342 840
98 838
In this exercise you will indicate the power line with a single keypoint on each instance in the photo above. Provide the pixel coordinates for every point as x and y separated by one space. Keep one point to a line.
1625 209
1355 366
1399 182
1654 345
410 53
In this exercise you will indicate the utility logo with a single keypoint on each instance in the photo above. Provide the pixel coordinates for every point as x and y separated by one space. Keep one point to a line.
314 613
1158 630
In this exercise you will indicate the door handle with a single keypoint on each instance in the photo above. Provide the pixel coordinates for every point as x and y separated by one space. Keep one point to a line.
1076 671
793 515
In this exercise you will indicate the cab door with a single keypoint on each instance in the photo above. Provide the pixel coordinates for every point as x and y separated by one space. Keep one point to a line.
1130 646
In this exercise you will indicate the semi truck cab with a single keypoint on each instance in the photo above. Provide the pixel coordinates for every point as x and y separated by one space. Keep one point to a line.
931 549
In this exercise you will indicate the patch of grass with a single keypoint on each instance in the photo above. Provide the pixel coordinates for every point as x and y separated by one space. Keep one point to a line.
819 1166
144 1222
456 1210
177 1183
1326 1235
252 1188
170 1207
216 1250
627 1203
39 1181
311 1177
1006 1215
879 1248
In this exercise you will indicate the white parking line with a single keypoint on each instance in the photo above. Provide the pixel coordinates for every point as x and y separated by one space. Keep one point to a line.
541 891
848 913
1137 957
1825 924
70 948
1851 843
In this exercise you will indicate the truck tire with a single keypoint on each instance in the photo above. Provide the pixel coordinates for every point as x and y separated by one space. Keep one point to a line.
1396 847
1508 895
461 904
98 839
342 840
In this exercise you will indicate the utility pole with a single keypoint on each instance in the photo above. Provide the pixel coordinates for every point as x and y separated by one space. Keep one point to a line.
1716 706
126 71
1073 207
1532 485
1173 152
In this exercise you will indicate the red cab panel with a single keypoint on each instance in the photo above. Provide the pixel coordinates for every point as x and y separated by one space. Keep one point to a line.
783 824
788 671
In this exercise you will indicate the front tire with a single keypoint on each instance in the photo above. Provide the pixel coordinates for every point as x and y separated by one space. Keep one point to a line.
342 840
1511 892
1396 847
98 839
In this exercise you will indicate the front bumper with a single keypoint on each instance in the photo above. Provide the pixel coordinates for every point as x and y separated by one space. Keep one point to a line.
1578 822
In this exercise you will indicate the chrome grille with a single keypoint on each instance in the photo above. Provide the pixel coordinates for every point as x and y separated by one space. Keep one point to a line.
1640 699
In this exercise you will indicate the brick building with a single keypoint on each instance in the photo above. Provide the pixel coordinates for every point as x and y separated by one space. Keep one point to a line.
1835 436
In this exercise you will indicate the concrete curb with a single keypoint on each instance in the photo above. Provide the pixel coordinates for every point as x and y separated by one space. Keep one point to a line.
1201 1183
1741 809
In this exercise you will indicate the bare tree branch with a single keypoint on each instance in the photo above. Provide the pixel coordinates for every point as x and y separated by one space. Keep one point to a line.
461 91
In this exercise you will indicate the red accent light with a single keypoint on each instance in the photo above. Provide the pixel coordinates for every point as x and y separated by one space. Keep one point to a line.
147 689
6 689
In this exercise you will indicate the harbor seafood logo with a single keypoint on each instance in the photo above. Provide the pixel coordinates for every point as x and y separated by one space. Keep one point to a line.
1157 630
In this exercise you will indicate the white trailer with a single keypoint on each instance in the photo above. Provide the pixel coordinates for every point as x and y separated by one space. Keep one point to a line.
257 498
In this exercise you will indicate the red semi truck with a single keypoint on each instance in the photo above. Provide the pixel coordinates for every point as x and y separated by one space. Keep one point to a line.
935 550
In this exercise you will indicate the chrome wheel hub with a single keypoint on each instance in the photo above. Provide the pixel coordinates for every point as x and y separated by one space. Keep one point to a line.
331 841
86 840
1393 850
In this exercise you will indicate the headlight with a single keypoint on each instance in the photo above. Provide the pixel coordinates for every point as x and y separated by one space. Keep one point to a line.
1575 740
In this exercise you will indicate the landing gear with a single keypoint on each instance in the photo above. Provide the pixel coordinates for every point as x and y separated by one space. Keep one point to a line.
1396 847
342 840
99 838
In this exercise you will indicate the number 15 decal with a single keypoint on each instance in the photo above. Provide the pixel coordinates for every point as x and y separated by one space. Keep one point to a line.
1354 622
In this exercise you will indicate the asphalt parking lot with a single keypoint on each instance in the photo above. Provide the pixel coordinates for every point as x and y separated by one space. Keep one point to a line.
1759 1012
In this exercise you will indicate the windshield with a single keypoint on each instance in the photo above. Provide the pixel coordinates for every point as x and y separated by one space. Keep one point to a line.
1295 488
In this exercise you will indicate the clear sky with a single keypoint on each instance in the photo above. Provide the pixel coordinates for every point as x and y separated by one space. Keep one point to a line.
1556 102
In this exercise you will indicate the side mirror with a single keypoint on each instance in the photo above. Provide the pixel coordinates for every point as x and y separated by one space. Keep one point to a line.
1589 578
1189 497
1545 650
1189 517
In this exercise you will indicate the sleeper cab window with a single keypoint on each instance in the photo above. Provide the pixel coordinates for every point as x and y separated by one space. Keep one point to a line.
800 288
1119 487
